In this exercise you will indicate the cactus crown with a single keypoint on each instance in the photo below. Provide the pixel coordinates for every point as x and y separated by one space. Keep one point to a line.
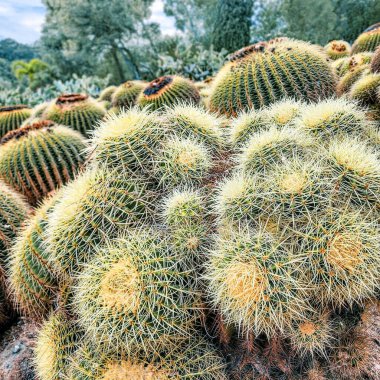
156 86
70 98
13 108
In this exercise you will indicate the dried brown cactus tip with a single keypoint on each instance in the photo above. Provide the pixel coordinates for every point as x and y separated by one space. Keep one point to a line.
13 108
157 85
71 98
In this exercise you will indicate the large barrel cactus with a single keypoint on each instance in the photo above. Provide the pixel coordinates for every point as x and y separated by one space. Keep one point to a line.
38 158
261 74
11 117
369 40
77 111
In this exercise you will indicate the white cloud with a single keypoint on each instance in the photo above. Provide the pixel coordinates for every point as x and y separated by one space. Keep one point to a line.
158 15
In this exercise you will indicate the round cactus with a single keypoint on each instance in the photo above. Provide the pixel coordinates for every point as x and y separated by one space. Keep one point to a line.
333 117
253 282
193 122
260 74
128 141
284 112
76 111
338 49
312 334
357 169
182 162
375 62
55 343
364 90
168 91
30 275
342 263
91 209
14 210
349 79
106 94
195 358
135 294
11 117
38 158
368 40
125 96
271 147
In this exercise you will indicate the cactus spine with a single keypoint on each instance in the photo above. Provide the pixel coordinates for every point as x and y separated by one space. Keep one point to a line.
368 40
38 158
11 117
125 96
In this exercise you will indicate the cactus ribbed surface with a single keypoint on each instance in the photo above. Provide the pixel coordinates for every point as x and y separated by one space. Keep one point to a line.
38 158
106 94
125 96
168 91
11 117
13 212
369 40
31 276
136 295
261 74
76 111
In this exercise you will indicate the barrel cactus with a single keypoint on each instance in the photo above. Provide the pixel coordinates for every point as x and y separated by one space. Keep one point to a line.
338 49
351 77
77 111
11 117
38 158
125 96
375 62
30 274
368 40
14 211
106 94
364 90
136 295
195 358
168 91
261 74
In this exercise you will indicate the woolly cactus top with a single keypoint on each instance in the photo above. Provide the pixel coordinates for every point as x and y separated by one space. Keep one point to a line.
157 85
70 98
13 108
25 130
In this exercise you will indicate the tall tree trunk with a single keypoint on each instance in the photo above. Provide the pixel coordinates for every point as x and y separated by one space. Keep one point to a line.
118 64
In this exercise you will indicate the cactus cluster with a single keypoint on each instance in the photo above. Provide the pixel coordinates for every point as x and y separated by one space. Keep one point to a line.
76 111
261 74
40 157
11 117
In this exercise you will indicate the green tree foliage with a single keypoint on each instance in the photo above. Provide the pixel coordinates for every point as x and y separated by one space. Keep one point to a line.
12 50
35 70
232 24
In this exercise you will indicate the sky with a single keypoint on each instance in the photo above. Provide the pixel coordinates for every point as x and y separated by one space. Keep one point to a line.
22 19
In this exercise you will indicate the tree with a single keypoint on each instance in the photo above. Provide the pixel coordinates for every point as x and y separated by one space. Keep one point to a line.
310 20
232 24
35 70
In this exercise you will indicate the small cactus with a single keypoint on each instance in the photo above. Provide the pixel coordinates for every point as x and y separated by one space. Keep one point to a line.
125 96
11 117
134 295
14 211
168 91
364 90
368 40
106 94
76 111
93 208
195 358
350 78
30 275
337 49
38 158
261 74
55 343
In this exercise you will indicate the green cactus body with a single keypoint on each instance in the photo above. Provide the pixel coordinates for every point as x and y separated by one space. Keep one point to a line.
30 275
368 40
13 212
333 117
182 162
93 208
38 158
364 90
337 49
263 73
168 91
11 117
4 306
375 62
125 96
253 282
56 342
136 294
268 148
195 358
39 110
128 141
350 78
76 111
341 249
340 66
357 169
106 94
189 121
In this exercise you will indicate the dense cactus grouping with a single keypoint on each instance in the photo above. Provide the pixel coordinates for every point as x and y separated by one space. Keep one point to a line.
232 234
